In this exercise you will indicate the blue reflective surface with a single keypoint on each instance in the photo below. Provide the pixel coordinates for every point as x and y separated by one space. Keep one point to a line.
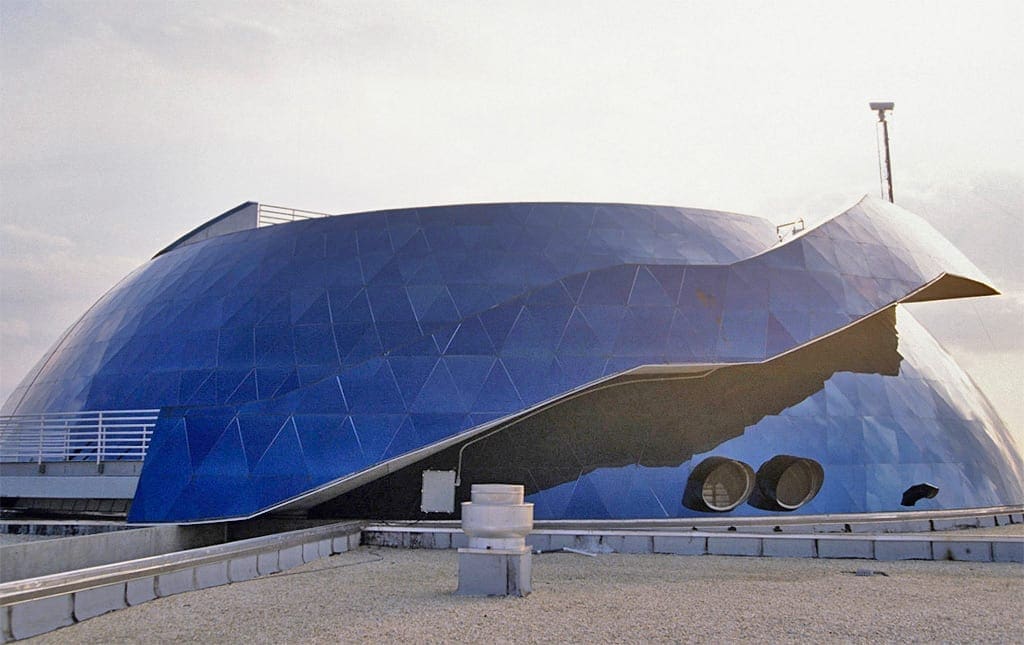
879 406
289 357
874 434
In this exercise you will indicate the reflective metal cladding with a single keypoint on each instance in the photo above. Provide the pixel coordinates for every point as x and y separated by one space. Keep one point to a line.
596 353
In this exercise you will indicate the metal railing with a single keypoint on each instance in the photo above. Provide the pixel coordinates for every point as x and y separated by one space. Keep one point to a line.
98 435
269 215
793 227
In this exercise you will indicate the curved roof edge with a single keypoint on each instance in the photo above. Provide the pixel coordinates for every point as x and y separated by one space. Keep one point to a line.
240 218
950 286
250 215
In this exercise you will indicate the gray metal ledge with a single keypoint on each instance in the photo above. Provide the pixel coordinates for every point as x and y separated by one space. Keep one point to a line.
879 536
38 605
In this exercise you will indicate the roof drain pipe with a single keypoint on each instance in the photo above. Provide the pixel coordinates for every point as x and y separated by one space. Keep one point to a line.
497 561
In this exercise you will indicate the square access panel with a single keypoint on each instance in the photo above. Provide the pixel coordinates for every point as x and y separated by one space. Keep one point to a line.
438 492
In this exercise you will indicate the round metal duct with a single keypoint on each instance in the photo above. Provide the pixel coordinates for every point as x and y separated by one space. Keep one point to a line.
718 485
786 482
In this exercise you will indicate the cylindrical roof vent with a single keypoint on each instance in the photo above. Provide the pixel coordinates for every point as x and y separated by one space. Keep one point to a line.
718 485
497 518
497 561
786 482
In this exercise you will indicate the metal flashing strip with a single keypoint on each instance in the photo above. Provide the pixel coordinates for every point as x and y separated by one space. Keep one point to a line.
747 541
19 591
825 523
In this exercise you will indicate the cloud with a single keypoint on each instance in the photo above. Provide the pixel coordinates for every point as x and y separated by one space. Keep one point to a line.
982 214
19 240
38 266
977 326
47 282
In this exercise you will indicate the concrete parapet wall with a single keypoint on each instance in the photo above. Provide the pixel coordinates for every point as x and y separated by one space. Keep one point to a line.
28 609
881 537
826 546
34 559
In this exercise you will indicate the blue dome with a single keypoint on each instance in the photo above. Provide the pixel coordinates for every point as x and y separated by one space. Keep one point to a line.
295 363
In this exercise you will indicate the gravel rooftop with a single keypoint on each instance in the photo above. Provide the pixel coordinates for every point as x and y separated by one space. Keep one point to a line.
407 595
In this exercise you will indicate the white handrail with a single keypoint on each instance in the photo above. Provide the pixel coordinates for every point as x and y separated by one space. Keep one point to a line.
269 215
95 435
794 227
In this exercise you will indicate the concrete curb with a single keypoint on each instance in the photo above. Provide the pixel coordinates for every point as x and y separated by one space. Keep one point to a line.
833 546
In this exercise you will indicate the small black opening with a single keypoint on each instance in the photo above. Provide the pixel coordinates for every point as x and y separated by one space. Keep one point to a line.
919 492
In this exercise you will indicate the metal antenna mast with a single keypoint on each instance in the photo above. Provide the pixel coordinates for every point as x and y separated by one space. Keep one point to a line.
882 108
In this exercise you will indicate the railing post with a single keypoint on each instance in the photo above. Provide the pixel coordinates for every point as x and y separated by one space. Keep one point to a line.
100 430
147 438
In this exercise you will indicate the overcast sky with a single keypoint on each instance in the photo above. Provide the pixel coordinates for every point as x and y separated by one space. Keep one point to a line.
125 124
